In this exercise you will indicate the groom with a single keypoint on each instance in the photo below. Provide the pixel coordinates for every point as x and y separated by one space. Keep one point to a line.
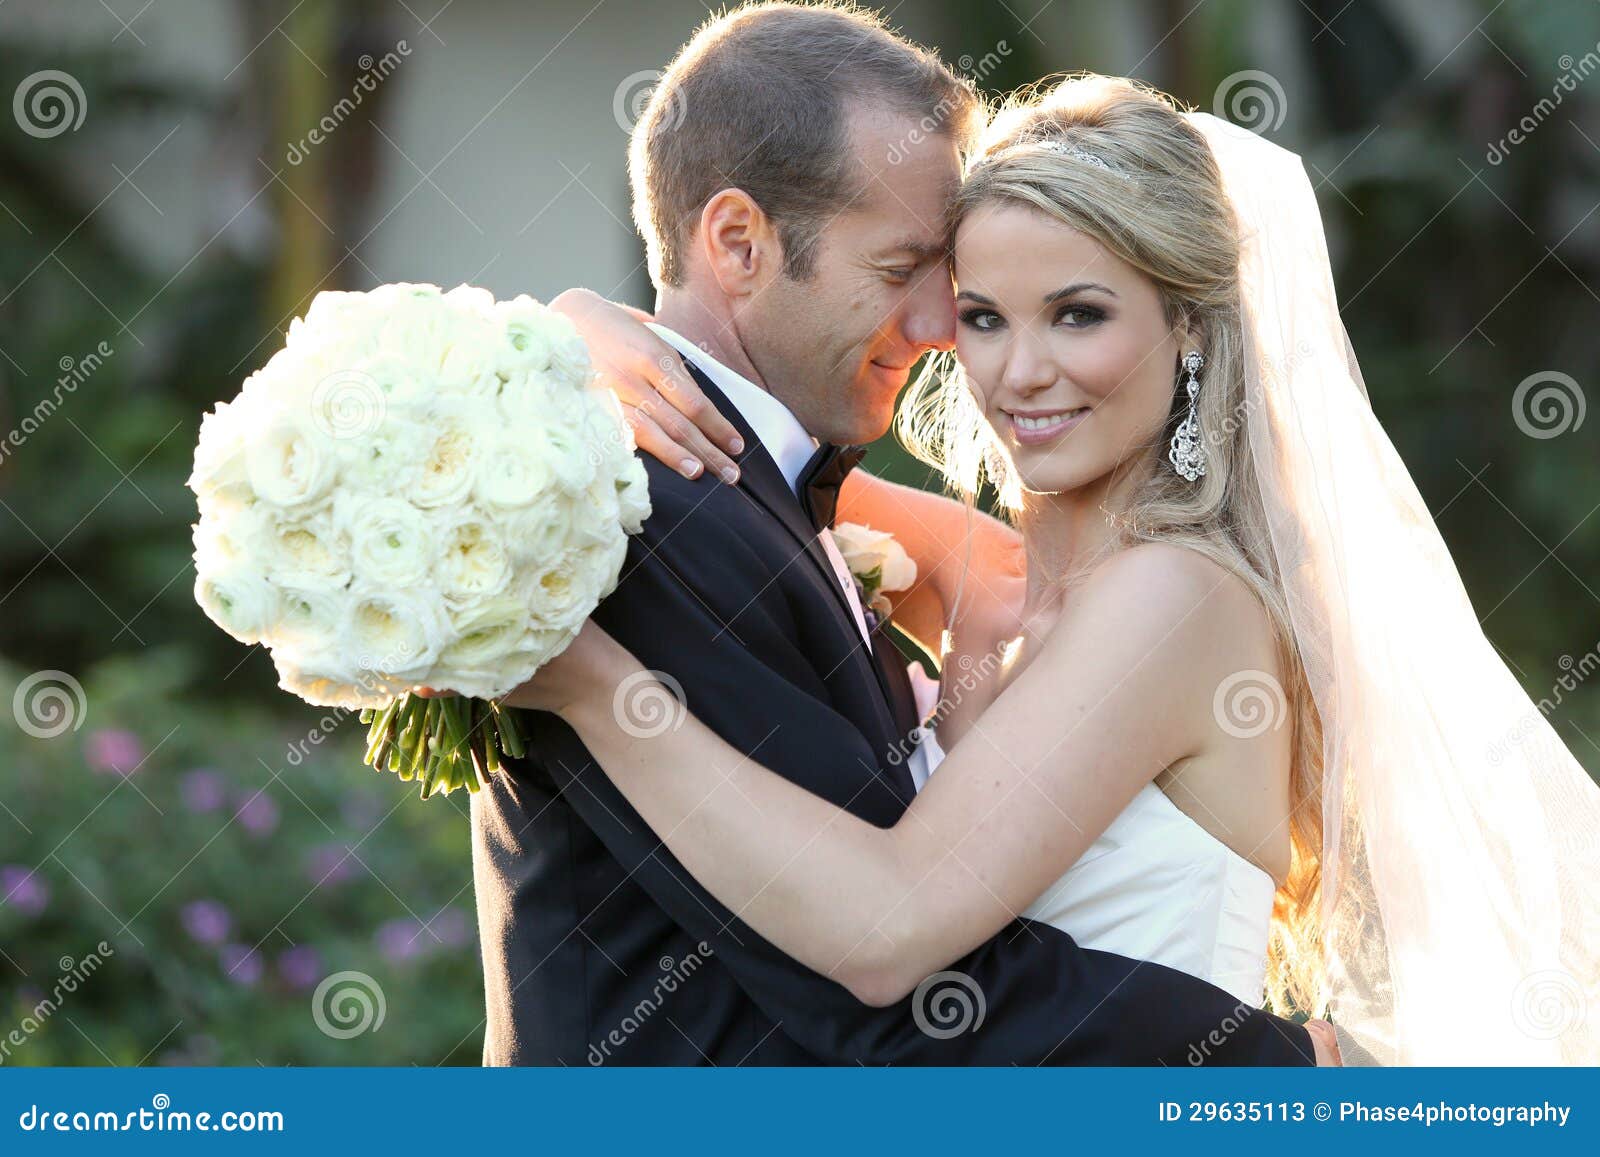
800 273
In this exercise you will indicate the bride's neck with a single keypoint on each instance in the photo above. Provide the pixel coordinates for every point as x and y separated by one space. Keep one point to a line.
1063 531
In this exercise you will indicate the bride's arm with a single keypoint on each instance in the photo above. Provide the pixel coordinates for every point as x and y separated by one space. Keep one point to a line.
1121 690
959 553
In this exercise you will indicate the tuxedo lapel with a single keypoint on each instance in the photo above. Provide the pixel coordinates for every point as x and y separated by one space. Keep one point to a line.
760 478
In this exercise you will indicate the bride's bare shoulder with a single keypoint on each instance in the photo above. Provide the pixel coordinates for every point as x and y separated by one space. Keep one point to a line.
1195 603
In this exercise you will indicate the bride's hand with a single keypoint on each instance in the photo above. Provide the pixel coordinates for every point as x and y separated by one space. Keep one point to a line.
671 417
1325 1043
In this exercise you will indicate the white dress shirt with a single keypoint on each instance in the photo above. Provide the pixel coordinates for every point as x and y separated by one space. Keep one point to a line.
791 448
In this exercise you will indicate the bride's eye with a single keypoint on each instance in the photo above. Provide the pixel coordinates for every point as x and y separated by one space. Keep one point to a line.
1080 316
982 320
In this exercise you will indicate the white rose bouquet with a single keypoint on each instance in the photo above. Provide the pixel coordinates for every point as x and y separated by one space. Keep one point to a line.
420 488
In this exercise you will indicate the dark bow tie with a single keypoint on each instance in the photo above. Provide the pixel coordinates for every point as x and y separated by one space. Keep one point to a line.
819 481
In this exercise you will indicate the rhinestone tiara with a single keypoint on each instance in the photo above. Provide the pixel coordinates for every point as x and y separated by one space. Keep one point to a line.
1078 153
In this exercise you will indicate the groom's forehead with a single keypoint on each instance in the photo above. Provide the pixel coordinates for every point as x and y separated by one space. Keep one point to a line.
908 216
910 195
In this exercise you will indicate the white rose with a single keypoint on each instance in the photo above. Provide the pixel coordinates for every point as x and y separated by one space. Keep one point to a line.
482 661
470 357
290 463
393 633
447 470
573 460
330 311
417 329
474 560
388 459
866 550
538 534
633 495
308 552
396 378
308 620
238 600
242 535
472 298
569 356
392 543
511 471
562 595
219 455
528 330
595 521
607 561
320 679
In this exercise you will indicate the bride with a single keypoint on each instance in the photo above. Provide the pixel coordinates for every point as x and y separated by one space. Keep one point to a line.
1227 707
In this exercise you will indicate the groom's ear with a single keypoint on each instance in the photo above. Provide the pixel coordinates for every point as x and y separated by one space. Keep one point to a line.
739 243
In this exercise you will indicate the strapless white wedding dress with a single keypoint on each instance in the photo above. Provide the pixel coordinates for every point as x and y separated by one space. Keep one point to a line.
1157 886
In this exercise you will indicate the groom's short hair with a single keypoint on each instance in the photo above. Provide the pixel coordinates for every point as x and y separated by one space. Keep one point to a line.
759 100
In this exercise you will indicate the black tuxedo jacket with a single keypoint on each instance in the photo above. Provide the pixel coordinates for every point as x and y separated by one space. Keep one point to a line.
600 948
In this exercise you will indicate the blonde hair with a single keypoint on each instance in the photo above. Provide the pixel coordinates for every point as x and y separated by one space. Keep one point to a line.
1118 162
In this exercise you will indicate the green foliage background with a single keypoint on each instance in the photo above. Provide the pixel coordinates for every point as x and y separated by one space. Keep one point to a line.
1459 279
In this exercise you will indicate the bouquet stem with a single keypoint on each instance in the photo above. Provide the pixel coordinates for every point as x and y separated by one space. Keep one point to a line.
442 743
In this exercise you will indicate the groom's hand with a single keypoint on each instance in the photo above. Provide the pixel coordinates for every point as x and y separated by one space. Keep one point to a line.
671 417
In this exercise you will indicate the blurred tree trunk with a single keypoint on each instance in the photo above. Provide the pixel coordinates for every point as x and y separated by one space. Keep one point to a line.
302 97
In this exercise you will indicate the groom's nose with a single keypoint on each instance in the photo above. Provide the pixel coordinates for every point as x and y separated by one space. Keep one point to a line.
929 318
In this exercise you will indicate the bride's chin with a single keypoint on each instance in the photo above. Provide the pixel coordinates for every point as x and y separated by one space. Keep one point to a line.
1054 478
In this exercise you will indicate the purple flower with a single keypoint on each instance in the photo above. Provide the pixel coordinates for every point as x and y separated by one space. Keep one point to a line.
450 926
329 863
203 790
300 966
241 964
206 921
113 749
402 939
258 815
23 889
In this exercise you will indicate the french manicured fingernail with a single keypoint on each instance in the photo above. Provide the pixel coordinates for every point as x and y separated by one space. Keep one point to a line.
690 468
736 445
730 475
